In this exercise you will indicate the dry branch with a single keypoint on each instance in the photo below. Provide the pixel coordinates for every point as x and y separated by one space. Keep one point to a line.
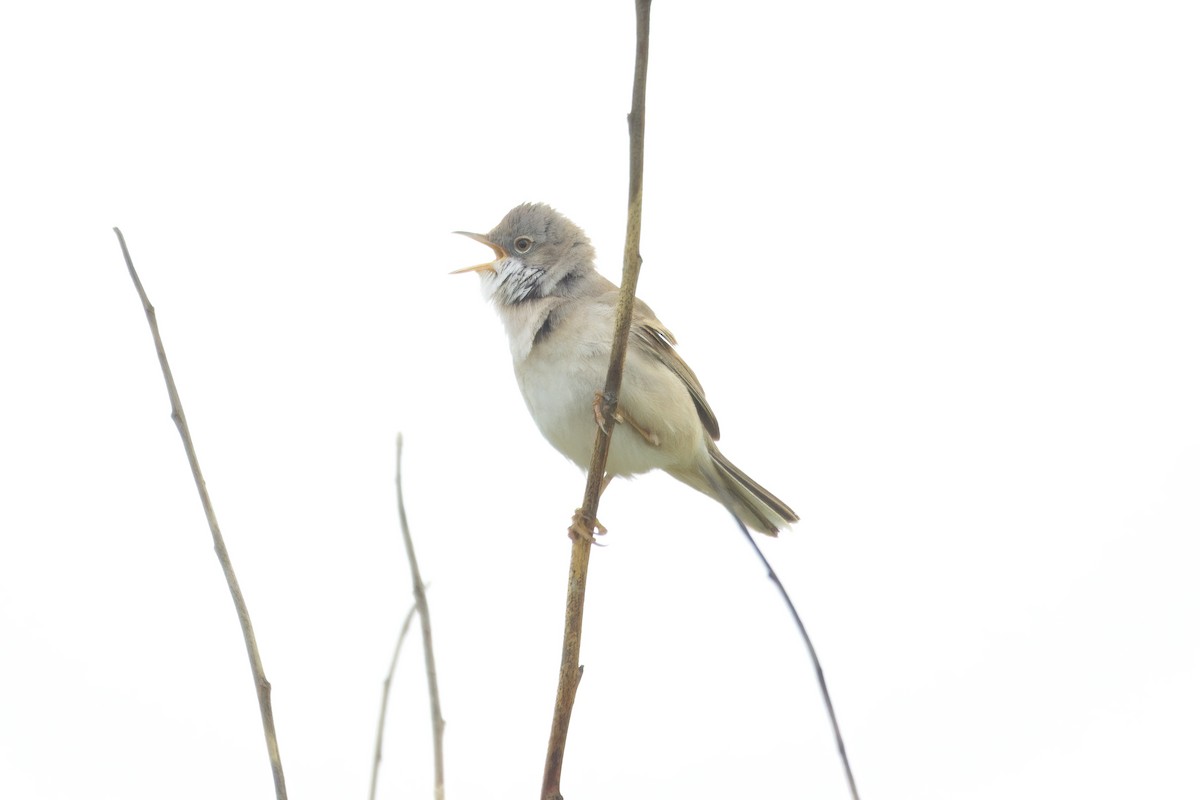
570 670
261 684
387 690
812 651
435 701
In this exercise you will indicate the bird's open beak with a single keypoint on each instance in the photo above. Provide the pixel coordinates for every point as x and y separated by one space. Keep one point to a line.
490 265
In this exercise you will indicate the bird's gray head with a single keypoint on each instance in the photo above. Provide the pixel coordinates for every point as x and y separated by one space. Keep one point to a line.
539 252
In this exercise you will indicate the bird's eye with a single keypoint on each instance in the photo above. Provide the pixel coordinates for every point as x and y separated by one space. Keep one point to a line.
523 243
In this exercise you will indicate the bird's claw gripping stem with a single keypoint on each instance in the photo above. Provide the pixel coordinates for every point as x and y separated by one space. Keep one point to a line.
580 529
619 418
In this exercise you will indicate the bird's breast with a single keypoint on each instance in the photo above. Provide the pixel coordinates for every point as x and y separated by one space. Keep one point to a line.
559 377
564 369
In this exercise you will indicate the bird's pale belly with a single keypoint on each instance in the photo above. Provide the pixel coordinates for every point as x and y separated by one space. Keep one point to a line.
561 398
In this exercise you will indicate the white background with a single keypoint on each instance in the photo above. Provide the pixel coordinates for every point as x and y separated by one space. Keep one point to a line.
936 264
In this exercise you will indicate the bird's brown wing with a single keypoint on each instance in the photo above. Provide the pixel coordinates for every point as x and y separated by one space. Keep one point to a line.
654 338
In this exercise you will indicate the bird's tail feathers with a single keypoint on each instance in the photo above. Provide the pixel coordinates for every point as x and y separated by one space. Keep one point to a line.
757 508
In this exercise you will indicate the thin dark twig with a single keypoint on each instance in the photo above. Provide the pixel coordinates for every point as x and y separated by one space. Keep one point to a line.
435 701
261 684
570 670
812 652
816 662
383 704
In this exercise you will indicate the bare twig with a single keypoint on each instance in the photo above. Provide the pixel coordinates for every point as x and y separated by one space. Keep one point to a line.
570 670
812 652
435 701
816 662
387 689
260 679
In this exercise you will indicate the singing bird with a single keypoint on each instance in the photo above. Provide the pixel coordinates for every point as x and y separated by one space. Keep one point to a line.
559 315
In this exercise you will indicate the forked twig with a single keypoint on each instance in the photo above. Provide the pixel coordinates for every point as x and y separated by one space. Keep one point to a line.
570 670
435 701
261 684
387 690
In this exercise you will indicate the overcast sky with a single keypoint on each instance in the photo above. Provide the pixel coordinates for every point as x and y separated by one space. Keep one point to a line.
936 264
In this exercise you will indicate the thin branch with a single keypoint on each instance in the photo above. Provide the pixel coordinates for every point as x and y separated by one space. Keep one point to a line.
812 652
387 689
816 662
261 684
435 701
570 670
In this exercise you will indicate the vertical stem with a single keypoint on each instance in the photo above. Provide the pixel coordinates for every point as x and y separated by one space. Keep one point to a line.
570 670
383 704
435 700
261 684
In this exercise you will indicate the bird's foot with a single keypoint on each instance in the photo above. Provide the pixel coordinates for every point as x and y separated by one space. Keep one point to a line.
580 529
598 411
619 418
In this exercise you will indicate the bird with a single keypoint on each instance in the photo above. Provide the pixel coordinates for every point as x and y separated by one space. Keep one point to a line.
559 315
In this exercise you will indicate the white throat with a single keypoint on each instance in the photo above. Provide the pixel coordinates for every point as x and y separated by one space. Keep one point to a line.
512 281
